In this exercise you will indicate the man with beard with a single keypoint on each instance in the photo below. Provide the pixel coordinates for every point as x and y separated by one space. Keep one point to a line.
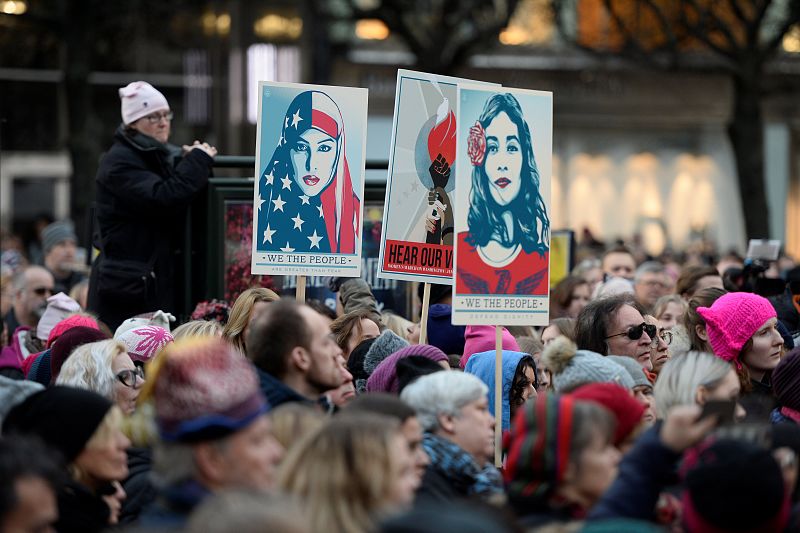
295 354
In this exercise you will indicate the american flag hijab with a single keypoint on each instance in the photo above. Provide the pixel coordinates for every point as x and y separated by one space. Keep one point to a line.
291 221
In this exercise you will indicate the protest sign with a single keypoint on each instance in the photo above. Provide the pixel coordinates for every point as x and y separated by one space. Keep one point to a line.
308 196
417 230
502 222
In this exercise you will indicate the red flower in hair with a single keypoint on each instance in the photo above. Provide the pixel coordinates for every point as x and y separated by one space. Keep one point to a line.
476 144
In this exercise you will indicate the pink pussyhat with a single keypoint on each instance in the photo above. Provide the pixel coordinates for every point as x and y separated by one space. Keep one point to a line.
732 320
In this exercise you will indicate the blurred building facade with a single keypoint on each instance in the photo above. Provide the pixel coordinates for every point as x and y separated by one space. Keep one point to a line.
637 152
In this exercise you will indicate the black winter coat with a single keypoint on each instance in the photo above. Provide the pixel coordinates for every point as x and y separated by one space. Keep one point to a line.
437 489
139 489
143 187
80 511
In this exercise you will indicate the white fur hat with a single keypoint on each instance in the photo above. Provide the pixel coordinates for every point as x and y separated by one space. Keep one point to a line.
139 99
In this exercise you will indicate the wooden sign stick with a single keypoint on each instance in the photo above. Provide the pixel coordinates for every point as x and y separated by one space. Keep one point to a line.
498 397
423 321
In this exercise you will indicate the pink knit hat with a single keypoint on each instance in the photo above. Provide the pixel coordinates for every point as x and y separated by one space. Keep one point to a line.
481 339
144 342
384 377
139 99
67 324
732 320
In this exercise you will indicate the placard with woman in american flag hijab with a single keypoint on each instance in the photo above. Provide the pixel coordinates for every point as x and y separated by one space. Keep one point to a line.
310 155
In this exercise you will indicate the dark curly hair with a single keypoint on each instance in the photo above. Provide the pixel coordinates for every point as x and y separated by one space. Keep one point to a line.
521 382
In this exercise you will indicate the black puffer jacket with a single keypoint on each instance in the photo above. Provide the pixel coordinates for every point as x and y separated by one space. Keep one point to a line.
143 187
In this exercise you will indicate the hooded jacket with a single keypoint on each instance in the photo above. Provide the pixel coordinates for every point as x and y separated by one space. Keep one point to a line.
481 365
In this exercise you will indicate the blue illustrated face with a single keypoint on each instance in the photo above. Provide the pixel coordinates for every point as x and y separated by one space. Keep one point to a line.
313 159
503 159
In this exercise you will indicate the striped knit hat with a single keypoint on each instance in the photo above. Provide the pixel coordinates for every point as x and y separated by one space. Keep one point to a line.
538 450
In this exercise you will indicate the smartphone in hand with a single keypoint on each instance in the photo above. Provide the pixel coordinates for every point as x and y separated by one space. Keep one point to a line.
724 410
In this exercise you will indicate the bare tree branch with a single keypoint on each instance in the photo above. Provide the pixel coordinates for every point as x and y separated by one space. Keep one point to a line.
666 27
700 30
447 32
737 10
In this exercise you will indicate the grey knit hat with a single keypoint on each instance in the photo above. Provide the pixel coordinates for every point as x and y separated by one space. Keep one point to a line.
384 346
56 233
377 350
634 369
571 368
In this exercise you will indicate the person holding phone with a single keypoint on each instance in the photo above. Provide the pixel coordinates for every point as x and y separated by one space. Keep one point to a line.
698 378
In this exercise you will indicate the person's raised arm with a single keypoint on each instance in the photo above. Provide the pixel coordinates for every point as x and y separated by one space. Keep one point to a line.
650 465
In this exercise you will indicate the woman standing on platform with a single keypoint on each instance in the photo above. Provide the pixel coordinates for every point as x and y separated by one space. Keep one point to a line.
142 185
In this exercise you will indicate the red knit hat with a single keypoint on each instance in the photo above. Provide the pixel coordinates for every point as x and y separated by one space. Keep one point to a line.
732 319
626 409
69 323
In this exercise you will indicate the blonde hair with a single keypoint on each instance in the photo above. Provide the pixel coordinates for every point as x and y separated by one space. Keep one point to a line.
240 313
292 421
396 323
106 431
247 511
79 292
343 472
198 328
103 436
681 376
90 367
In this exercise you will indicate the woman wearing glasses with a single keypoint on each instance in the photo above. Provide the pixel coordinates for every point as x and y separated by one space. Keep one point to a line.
106 368
659 347
142 184
615 326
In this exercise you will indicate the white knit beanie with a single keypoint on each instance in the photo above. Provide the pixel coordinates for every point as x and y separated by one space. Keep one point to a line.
139 99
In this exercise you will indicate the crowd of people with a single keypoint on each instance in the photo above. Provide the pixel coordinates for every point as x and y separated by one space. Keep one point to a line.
650 402
663 395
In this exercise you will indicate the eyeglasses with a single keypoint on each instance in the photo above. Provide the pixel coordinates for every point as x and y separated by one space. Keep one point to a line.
41 291
634 333
128 377
155 119
665 336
